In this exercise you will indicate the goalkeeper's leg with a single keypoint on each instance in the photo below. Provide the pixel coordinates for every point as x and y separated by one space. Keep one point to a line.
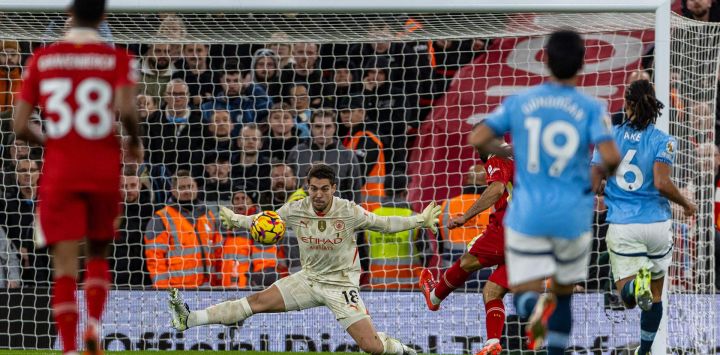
269 300
374 342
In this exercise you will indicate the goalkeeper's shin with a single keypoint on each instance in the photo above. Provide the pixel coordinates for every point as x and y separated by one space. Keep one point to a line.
228 312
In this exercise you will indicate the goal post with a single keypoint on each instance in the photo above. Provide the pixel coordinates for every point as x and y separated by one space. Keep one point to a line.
619 34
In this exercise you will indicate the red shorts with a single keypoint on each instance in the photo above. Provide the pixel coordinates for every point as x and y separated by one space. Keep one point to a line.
65 215
489 249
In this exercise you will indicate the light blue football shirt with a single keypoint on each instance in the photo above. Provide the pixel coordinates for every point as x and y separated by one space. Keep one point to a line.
630 194
553 128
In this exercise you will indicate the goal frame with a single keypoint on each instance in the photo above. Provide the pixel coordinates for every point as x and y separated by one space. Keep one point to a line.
661 8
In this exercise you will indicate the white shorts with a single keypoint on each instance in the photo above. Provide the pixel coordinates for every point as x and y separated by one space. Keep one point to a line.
299 292
530 258
633 246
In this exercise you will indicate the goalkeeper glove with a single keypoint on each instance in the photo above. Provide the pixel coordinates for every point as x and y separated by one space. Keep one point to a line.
429 218
226 216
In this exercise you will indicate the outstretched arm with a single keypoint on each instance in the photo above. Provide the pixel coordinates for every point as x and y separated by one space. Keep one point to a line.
233 220
392 224
489 197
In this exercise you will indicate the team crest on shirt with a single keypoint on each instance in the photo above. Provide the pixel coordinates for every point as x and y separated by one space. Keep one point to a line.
339 225
322 225
670 148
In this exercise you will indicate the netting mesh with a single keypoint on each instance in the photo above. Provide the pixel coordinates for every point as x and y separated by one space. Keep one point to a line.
247 102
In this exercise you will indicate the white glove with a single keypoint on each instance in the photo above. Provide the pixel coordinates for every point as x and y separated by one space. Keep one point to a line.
226 216
429 218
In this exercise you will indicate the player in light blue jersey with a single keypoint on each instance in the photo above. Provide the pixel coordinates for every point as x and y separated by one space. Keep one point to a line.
640 238
548 224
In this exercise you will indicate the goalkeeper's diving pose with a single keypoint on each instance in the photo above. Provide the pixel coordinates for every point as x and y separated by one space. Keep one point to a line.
325 227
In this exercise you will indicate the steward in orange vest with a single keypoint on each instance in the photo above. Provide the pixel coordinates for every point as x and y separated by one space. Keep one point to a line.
360 138
182 239
244 263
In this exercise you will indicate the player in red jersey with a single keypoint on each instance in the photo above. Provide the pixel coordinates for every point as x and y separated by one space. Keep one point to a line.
79 82
485 250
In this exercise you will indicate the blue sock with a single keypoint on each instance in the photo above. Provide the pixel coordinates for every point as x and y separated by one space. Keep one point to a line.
649 324
525 303
559 326
628 294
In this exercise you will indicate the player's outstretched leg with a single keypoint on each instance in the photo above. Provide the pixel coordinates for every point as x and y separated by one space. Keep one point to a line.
228 312
373 342
451 279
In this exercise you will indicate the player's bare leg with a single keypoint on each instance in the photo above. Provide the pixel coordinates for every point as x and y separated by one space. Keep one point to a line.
65 269
269 300
97 282
436 291
494 317
373 342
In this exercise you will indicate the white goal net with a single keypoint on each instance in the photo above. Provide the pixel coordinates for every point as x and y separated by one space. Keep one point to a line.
245 103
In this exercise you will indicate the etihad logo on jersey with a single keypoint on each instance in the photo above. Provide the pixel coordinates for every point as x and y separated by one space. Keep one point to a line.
321 241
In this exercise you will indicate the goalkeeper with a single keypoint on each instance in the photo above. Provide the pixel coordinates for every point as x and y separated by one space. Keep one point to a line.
325 226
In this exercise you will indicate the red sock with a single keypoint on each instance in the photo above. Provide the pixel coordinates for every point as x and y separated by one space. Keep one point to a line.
97 281
65 311
453 278
494 318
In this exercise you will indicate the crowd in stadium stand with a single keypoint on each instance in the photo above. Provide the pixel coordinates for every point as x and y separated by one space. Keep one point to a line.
240 125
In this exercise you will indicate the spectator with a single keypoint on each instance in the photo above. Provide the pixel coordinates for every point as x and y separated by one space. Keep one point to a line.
251 167
246 102
618 118
280 45
16 150
305 71
396 259
147 105
10 73
9 263
217 183
195 71
218 133
173 133
181 239
128 261
297 95
386 107
369 151
324 148
156 70
345 82
701 10
702 123
244 262
265 71
283 182
283 134
19 220
173 28
454 241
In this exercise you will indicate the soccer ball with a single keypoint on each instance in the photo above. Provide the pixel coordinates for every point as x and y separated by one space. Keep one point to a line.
267 228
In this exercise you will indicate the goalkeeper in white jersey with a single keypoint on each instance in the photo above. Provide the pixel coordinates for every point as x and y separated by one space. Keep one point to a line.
325 227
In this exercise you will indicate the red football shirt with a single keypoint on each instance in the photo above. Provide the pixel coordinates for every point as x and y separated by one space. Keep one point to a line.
74 84
501 170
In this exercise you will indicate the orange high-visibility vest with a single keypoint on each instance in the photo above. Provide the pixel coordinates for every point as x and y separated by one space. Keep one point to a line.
458 238
183 255
240 256
373 191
